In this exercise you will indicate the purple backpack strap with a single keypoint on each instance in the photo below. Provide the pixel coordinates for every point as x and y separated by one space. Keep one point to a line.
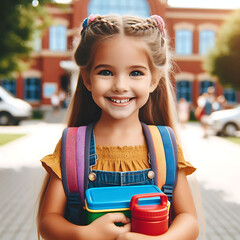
63 161
151 151
80 157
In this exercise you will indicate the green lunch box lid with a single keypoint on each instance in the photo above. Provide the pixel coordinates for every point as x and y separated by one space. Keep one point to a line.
119 197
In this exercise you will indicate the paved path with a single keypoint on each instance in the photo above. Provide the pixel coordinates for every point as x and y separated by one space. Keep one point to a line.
216 180
217 160
21 177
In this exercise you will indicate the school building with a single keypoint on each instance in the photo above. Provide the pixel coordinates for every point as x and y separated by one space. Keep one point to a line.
192 33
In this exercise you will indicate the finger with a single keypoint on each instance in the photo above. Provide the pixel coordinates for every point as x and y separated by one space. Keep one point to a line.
123 229
127 227
119 217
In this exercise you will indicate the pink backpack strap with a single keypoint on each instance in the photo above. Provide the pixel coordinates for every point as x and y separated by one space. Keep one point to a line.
71 155
73 160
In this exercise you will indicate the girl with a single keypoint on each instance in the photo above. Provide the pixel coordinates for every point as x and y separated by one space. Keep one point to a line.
123 81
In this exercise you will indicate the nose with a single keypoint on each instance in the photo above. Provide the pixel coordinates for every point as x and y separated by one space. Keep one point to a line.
120 84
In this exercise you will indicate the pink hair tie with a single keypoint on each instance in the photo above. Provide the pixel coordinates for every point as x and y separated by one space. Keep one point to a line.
91 19
88 20
160 24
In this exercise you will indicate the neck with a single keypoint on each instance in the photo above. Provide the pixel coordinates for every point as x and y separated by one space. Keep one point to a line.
119 132
124 124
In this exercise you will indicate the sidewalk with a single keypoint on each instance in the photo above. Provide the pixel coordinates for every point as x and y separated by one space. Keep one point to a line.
21 177
217 162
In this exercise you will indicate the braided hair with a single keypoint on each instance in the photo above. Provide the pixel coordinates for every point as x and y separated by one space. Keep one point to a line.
158 109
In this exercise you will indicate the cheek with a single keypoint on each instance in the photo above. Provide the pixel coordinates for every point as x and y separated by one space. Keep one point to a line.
143 94
143 88
98 91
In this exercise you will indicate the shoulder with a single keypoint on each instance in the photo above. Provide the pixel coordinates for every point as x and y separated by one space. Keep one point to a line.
182 163
52 162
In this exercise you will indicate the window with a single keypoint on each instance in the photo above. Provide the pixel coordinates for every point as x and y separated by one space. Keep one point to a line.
57 38
204 85
184 90
131 7
183 42
9 85
231 96
206 41
32 89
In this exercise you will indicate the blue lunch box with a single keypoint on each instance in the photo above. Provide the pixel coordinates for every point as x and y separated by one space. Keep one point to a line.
102 200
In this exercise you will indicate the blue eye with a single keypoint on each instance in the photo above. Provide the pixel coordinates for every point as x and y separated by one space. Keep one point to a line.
105 73
136 73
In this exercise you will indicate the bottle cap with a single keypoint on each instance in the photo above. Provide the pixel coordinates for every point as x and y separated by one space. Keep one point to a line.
149 212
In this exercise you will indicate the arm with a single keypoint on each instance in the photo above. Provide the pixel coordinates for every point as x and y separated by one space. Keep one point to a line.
52 224
185 224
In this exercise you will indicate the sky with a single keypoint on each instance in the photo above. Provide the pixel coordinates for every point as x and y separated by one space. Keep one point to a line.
222 4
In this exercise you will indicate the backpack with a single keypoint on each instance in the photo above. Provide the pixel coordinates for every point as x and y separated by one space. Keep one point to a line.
208 107
77 152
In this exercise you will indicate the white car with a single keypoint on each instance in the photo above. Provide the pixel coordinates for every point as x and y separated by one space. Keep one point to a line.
12 109
226 122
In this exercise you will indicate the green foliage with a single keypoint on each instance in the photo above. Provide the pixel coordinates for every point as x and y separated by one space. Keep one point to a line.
224 60
233 139
6 138
37 114
20 21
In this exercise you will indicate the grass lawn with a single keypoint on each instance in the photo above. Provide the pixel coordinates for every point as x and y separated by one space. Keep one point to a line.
6 138
233 139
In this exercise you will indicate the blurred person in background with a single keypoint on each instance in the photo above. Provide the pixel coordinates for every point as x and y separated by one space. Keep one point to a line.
183 111
55 101
220 103
205 108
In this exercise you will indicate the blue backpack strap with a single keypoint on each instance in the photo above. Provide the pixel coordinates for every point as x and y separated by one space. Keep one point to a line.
170 148
174 144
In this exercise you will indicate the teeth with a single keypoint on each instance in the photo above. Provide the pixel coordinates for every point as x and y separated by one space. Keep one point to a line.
120 101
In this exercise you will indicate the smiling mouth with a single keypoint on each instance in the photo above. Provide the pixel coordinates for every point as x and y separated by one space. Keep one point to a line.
119 101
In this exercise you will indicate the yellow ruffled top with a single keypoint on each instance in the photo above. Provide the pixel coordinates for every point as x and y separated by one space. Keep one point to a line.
115 158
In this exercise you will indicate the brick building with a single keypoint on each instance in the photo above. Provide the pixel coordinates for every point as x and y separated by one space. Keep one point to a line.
192 33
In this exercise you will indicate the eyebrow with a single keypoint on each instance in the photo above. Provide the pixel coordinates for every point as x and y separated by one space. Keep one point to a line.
102 66
109 66
139 66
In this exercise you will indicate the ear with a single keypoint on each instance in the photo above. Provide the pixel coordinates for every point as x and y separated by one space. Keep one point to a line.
86 80
155 80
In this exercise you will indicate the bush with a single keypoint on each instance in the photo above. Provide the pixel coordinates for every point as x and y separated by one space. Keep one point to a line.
192 116
37 114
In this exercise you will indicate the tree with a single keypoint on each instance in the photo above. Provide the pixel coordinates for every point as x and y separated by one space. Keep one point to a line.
224 59
20 21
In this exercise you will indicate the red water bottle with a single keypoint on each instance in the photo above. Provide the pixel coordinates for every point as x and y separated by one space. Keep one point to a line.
149 219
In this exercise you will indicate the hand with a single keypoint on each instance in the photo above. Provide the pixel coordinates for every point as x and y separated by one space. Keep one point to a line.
104 227
134 236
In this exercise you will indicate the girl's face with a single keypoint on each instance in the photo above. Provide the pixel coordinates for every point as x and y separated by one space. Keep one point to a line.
120 79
